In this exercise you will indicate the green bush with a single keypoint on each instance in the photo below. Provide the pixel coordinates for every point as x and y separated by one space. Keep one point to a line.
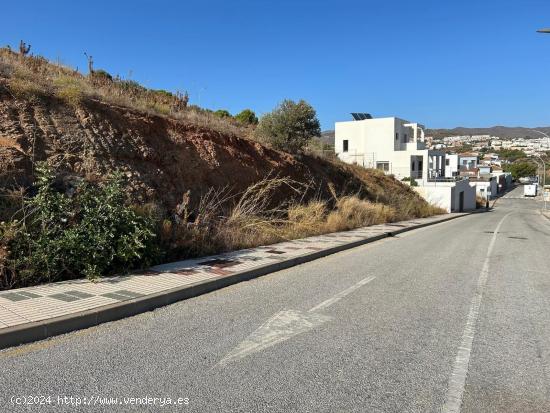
222 113
521 169
290 126
511 155
131 86
411 180
163 93
102 75
91 233
247 116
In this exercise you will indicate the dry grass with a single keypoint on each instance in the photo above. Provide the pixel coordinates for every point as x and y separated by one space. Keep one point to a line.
480 202
70 89
352 212
11 202
224 223
32 77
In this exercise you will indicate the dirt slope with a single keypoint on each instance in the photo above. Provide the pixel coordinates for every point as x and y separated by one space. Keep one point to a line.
161 157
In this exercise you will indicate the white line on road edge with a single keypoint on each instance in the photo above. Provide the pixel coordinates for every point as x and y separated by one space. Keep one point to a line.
341 294
457 381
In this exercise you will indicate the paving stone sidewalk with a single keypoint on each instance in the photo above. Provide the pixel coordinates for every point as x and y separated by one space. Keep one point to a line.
32 305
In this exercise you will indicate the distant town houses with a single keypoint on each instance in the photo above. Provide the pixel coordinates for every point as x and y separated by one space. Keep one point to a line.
530 146
452 181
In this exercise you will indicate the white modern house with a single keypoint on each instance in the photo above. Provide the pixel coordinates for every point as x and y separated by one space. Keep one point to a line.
487 181
467 161
393 145
451 165
398 147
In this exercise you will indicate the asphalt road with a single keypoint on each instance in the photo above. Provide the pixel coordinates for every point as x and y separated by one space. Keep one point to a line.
452 317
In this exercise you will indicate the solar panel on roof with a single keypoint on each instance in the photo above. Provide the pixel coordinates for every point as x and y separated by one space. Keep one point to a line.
361 116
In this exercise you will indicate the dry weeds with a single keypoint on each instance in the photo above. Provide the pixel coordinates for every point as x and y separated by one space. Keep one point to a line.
36 77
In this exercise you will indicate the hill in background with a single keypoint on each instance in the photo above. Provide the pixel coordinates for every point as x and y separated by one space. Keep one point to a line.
500 131
505 132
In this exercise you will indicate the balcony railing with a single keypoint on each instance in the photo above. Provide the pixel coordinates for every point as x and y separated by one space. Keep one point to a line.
447 179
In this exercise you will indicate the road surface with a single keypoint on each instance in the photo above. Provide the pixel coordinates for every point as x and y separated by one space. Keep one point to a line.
452 317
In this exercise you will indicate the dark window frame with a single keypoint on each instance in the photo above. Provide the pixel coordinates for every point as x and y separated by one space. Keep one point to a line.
383 165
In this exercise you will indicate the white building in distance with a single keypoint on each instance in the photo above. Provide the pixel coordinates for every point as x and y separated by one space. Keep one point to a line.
398 147
393 145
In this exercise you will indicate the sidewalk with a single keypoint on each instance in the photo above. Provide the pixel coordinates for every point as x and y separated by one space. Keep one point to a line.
35 313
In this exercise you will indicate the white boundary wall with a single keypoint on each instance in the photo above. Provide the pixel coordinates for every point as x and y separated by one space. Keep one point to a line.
446 195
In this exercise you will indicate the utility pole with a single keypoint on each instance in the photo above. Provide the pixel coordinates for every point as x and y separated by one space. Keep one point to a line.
538 156
543 179
546 31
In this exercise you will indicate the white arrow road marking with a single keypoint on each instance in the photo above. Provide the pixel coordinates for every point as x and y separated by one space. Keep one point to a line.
282 326
340 295
286 324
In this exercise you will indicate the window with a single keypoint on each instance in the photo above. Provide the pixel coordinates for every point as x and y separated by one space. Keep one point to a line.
346 145
447 162
384 166
405 137
397 136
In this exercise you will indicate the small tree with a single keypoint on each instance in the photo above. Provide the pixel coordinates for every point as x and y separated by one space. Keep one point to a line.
248 117
290 126
102 75
222 113
521 169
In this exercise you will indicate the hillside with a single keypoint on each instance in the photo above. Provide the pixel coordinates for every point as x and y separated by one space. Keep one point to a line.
162 153
162 158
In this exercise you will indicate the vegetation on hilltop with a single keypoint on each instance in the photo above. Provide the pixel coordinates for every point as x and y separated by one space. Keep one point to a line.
511 155
34 77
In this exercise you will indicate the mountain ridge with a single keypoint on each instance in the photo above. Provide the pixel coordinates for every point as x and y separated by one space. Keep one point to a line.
506 132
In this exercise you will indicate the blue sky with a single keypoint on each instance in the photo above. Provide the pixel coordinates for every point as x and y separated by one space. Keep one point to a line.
443 63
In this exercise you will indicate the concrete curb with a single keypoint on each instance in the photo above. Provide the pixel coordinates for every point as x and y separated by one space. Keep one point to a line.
29 332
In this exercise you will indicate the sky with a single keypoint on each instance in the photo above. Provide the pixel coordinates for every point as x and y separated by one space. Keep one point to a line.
443 63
